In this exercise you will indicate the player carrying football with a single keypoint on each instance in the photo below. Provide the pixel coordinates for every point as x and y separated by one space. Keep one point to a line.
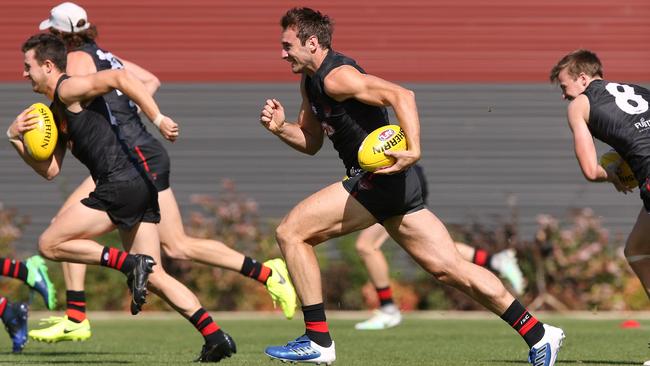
124 197
339 99
617 114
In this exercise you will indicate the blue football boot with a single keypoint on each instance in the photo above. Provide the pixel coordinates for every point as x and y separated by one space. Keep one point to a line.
302 349
15 321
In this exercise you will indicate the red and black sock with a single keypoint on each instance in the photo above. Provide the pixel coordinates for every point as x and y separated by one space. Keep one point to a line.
531 329
316 324
203 322
254 269
385 296
120 260
3 305
14 268
481 257
75 306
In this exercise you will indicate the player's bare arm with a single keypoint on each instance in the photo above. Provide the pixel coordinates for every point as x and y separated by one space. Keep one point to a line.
346 82
79 63
585 150
82 88
305 135
25 122
150 81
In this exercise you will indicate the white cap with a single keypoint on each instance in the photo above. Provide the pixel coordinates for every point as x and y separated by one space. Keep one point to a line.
65 17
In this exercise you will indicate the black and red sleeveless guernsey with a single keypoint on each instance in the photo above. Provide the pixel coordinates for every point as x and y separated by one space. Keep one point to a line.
346 124
146 149
619 116
122 189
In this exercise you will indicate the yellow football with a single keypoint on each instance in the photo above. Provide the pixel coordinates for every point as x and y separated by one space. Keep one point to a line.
624 171
41 141
371 152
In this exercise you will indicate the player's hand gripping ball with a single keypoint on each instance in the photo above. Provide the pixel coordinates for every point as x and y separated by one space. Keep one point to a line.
41 141
371 152
624 172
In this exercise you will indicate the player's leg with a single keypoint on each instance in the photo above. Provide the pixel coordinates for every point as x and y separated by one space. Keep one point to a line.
504 263
427 240
65 240
637 249
329 213
368 246
177 244
74 326
14 318
74 274
145 240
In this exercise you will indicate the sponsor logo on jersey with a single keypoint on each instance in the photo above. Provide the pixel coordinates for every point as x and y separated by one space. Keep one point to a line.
643 124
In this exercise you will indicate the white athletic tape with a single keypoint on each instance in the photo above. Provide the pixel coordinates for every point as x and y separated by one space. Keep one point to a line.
156 121
12 138
636 258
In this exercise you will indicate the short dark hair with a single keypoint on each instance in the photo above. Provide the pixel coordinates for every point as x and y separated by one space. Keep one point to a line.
309 22
47 47
577 62
74 40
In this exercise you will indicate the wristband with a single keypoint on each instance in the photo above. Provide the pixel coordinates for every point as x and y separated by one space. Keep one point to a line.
156 121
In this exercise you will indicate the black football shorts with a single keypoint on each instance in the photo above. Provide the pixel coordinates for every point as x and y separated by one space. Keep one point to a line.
385 196
127 202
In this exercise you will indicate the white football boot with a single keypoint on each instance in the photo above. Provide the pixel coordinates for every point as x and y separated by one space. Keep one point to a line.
505 263
383 318
544 352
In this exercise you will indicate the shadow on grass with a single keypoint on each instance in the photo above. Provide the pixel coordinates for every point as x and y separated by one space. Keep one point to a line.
72 353
581 362
57 358
62 362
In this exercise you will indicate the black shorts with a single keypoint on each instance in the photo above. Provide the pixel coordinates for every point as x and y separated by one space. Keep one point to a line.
423 182
127 202
152 157
385 196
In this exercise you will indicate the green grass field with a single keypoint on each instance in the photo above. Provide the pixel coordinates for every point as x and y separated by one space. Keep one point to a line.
141 341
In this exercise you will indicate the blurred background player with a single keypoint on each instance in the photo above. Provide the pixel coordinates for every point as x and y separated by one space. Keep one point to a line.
369 244
124 197
69 22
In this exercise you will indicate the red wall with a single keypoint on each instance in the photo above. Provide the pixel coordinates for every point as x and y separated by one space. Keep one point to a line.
407 40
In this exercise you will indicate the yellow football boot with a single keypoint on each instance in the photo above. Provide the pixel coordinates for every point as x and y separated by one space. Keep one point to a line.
280 288
61 329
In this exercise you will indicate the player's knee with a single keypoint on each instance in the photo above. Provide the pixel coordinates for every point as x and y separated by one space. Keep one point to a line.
284 234
176 250
364 248
47 246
